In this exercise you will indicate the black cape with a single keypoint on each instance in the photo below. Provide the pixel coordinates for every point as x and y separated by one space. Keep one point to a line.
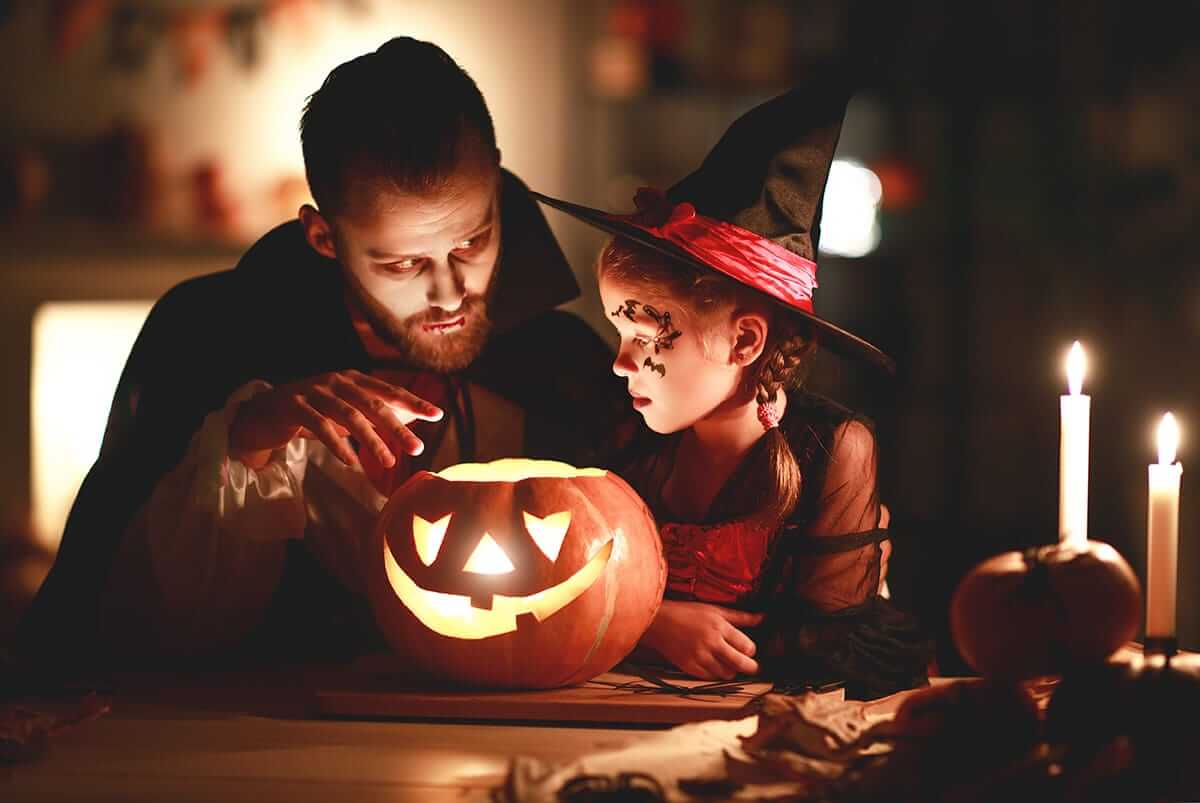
280 316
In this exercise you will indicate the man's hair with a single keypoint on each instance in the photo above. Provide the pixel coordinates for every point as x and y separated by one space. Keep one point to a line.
405 115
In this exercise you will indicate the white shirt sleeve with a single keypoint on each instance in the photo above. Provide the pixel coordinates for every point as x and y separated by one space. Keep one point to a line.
214 533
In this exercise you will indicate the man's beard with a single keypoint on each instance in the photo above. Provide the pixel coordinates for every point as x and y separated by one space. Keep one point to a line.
444 353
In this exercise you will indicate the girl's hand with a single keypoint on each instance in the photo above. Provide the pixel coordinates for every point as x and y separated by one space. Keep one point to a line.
330 408
704 640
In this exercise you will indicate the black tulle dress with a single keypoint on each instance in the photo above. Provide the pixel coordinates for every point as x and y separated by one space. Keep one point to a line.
816 577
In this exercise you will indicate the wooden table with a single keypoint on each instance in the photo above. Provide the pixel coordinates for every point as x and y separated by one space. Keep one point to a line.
260 738
161 753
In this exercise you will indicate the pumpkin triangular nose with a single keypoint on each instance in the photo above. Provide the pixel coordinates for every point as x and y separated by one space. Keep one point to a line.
488 558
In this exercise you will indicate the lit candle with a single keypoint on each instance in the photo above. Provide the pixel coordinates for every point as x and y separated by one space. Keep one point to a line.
1073 453
1162 533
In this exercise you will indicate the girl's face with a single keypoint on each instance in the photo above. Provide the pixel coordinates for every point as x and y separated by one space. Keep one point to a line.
677 374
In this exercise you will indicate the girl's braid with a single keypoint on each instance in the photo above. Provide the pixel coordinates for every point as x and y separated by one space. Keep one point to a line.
781 368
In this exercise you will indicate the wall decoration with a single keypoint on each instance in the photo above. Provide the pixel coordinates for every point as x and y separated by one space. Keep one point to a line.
73 21
133 29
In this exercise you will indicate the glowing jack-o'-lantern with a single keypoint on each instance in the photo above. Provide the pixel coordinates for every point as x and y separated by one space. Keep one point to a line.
515 573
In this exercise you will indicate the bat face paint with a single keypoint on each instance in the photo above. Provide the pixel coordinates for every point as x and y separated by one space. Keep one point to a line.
664 335
664 338
629 310
656 367
670 392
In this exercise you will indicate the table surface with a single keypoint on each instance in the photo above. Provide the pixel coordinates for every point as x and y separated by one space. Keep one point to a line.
260 741
255 738
170 752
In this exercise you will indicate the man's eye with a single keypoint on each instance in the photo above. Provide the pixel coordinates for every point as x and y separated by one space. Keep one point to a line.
472 243
403 265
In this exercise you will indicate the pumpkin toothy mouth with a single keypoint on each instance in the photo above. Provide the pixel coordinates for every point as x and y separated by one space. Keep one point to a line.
454 615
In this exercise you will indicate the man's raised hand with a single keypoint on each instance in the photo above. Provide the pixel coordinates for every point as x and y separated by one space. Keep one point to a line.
331 408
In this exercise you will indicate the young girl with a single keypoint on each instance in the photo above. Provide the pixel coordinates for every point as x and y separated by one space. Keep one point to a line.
765 494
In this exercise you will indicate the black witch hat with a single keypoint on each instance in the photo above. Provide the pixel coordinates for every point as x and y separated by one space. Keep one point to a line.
751 210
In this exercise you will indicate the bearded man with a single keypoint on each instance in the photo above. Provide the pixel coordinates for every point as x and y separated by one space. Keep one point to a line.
404 322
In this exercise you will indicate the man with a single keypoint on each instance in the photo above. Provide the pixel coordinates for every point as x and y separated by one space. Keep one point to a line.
405 321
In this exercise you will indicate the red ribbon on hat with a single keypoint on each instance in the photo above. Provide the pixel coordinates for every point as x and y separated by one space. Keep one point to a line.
738 253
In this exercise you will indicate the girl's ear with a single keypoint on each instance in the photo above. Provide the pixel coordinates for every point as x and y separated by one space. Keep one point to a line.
749 336
317 231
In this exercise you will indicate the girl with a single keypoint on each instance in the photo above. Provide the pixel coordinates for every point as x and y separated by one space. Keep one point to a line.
765 494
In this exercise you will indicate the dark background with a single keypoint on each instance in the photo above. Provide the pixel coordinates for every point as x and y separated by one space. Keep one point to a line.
1040 164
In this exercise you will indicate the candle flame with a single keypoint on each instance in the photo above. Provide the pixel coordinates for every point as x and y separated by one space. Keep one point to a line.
1076 366
1168 440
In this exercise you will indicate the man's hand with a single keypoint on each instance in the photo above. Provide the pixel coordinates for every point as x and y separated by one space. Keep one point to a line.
704 640
330 408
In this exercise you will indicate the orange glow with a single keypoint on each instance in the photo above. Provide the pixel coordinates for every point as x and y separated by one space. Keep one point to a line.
515 469
1168 440
428 537
1076 368
549 533
488 558
453 615
78 351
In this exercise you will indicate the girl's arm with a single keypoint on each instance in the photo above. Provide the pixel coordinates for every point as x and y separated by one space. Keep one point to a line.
849 498
834 577
704 640
826 624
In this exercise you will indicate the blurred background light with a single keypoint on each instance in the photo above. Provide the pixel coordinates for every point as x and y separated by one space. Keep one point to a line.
850 220
79 348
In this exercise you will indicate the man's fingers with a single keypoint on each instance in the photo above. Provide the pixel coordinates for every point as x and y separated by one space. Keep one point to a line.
402 440
383 416
308 434
406 404
326 431
885 517
333 407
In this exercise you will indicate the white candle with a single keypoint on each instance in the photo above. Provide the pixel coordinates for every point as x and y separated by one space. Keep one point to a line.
1073 453
1162 533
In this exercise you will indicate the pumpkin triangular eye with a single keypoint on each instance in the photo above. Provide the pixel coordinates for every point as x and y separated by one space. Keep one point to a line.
428 537
488 558
548 533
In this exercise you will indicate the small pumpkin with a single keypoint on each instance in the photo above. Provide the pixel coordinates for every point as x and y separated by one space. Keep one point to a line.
1146 702
515 573
955 733
1024 614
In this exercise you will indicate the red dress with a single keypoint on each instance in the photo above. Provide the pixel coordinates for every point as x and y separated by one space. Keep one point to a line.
824 619
716 563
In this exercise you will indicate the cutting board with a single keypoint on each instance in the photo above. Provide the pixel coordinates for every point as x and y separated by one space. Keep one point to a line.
612 698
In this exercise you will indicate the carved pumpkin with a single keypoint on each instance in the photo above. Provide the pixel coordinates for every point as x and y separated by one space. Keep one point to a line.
515 573
1038 612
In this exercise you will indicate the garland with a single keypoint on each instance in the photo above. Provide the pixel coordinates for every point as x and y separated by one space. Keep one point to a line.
133 29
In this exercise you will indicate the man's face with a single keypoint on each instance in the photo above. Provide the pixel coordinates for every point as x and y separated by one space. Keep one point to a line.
420 265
